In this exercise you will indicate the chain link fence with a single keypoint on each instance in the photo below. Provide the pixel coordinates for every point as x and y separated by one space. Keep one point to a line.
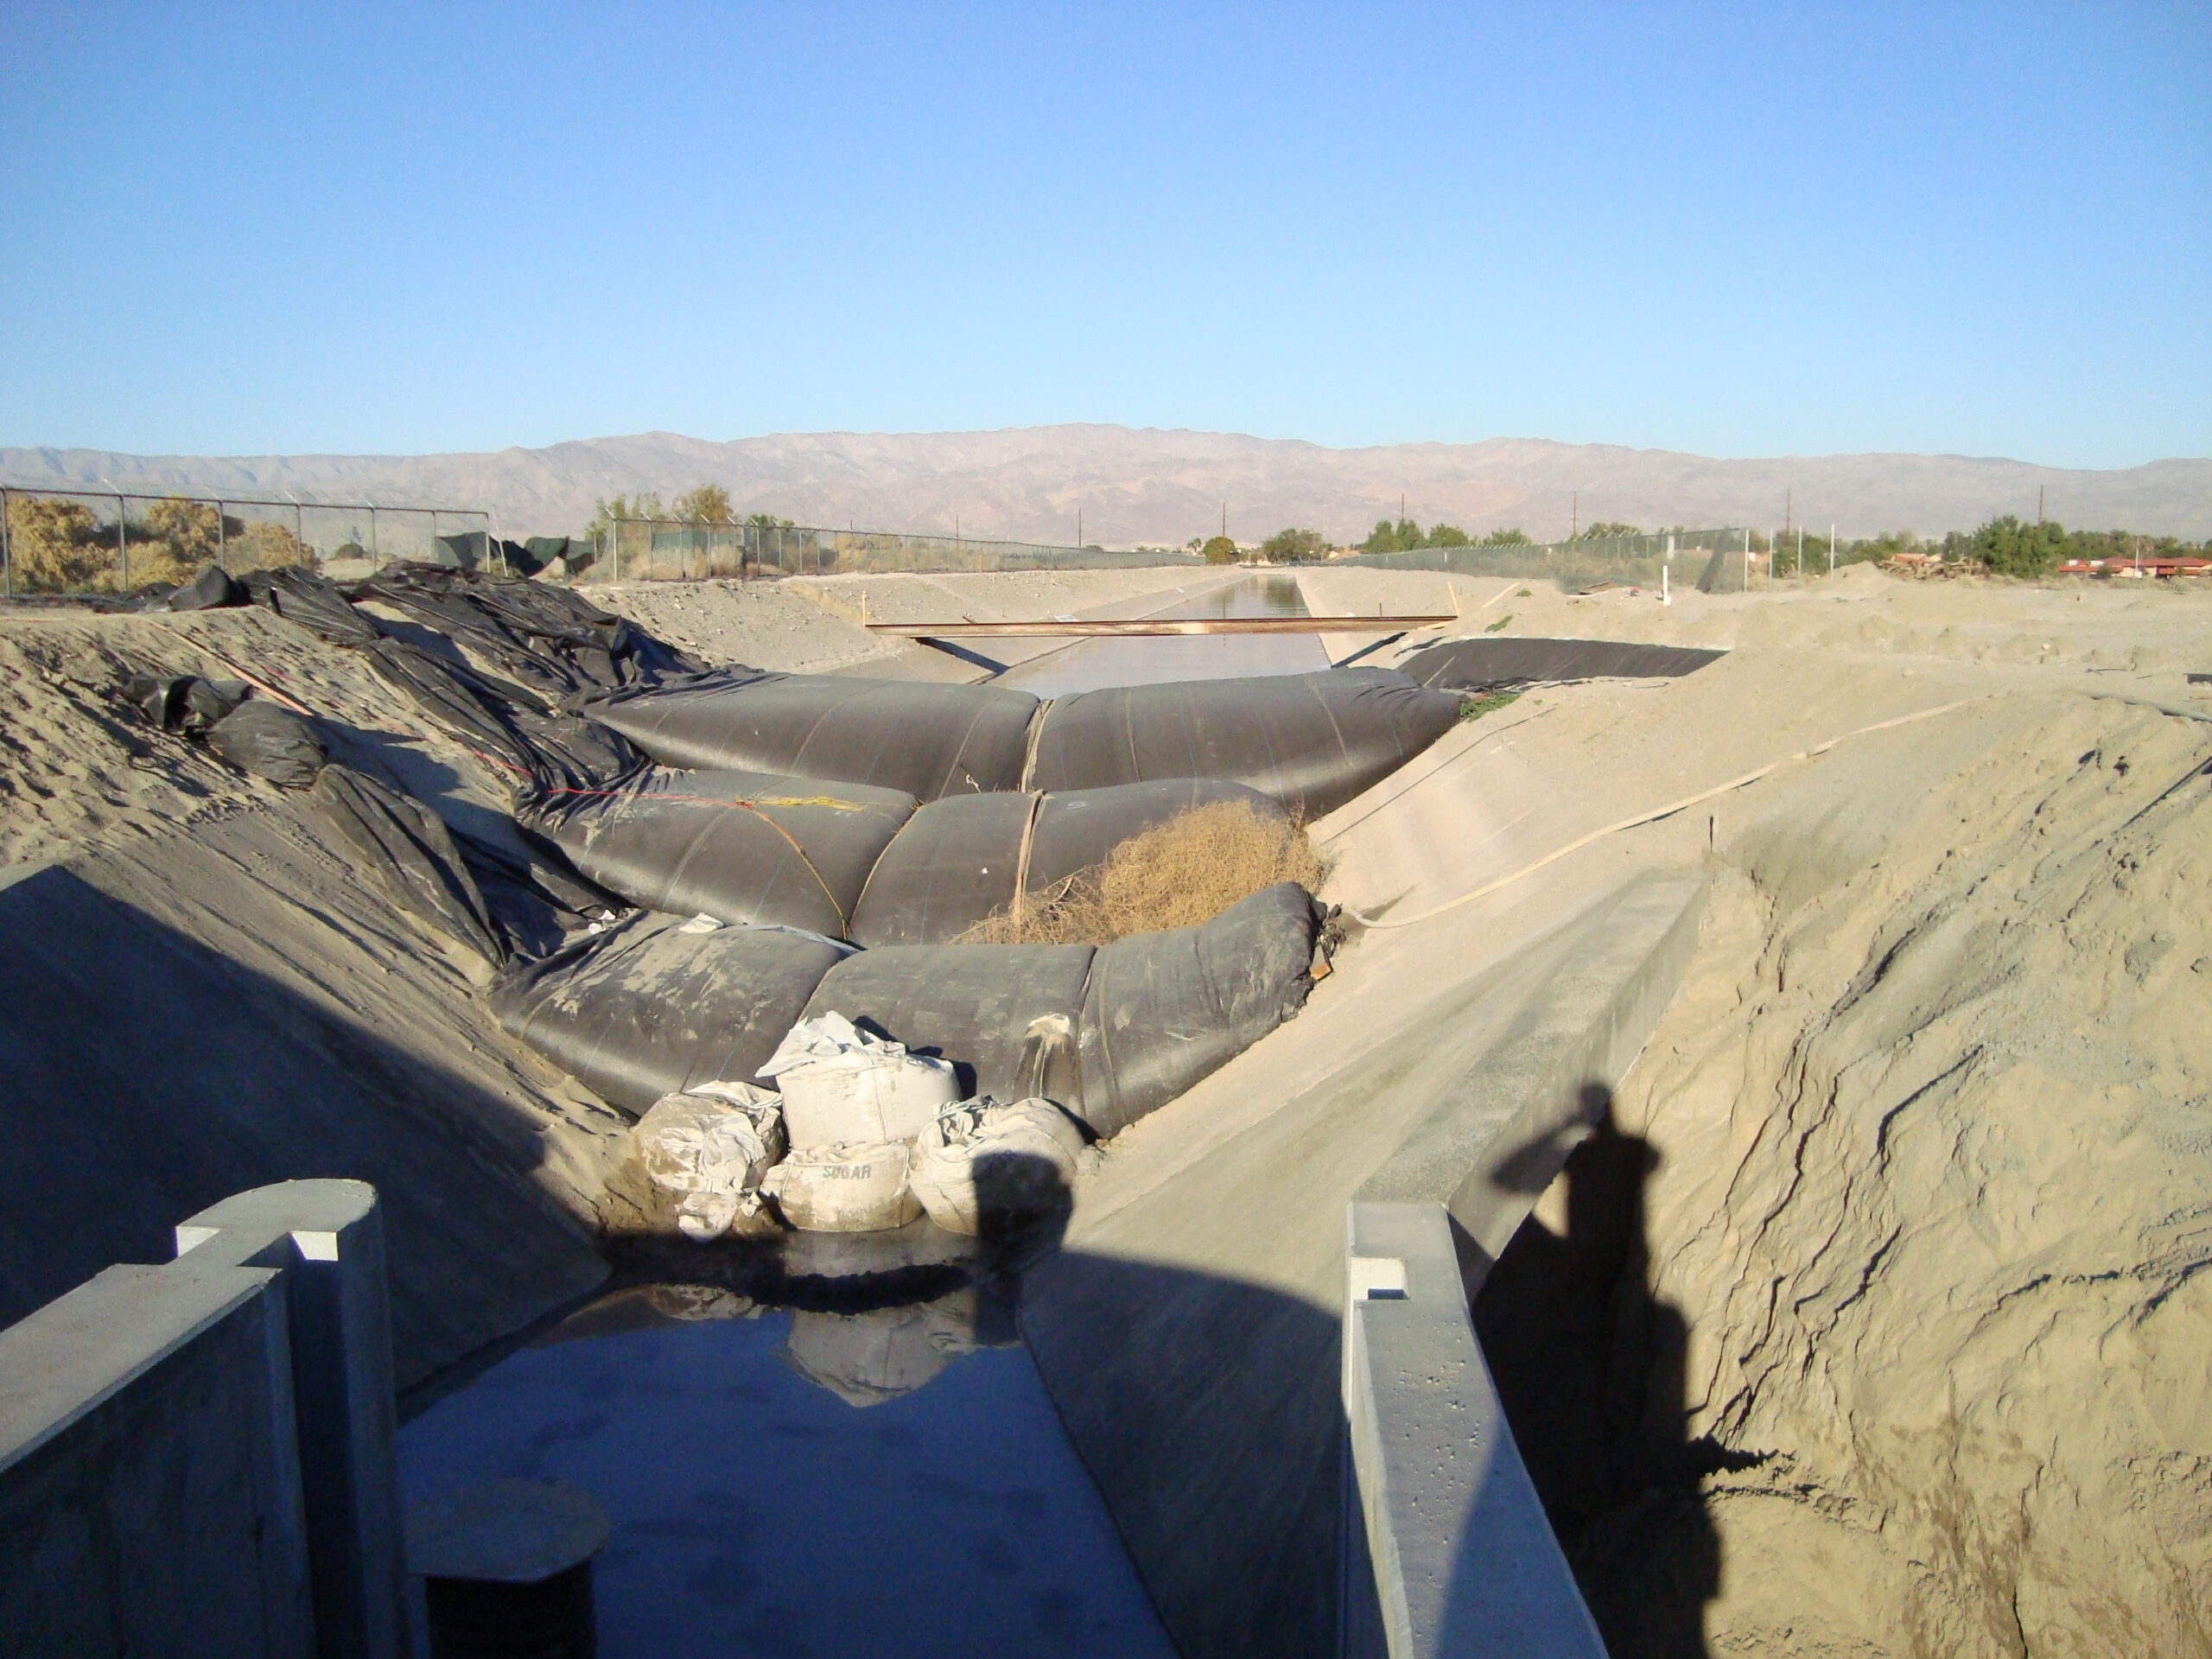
1713 561
660 549
115 543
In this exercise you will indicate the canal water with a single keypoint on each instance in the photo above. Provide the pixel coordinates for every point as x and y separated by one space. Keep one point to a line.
784 1481
790 1483
1091 665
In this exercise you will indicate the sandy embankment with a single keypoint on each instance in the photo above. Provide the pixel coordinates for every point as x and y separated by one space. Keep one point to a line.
1879 1324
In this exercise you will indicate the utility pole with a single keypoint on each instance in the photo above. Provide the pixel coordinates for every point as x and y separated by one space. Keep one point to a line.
1789 508
1225 521
1575 514
1831 550
1078 526
2039 506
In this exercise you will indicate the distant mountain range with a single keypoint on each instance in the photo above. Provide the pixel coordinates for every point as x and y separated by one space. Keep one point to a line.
1138 487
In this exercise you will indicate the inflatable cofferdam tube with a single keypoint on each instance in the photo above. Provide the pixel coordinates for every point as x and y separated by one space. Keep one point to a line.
741 847
1311 741
650 1007
960 859
926 739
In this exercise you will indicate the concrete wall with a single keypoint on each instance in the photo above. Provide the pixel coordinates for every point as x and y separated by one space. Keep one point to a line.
197 1458
1452 1553
150 1489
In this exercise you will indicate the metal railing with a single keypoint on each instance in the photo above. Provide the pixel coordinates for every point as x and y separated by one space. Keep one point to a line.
118 542
665 550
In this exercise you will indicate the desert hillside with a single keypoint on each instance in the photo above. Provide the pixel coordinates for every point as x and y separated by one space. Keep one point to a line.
1162 487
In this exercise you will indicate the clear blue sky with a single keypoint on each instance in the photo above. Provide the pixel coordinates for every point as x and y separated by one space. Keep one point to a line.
1745 231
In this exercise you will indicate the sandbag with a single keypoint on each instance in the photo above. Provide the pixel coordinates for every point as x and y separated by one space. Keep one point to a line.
839 1083
405 849
1311 741
1163 1010
928 739
958 859
737 846
1489 665
269 740
654 1005
859 1188
993 1010
982 1167
705 1153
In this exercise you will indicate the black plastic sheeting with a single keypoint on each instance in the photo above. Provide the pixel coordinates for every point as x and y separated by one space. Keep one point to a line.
959 858
979 1006
928 739
1311 741
1492 664
316 605
541 635
1164 1010
406 850
647 1008
743 847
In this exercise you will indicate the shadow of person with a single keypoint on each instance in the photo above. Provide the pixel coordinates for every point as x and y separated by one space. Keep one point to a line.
1589 1366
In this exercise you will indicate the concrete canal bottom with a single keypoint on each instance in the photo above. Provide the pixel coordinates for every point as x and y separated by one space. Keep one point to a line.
787 1481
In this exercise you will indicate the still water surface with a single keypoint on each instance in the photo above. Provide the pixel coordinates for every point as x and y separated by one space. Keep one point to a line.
793 1482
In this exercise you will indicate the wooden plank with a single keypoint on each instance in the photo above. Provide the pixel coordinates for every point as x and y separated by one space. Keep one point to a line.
1159 624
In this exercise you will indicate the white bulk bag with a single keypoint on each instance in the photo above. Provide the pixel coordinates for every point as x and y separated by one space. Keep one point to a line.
856 1188
708 1147
1026 1155
840 1084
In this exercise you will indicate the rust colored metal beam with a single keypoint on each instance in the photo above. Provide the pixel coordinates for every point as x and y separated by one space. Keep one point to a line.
1159 624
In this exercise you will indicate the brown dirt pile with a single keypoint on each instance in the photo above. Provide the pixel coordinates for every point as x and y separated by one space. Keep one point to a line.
1930 1211
1175 874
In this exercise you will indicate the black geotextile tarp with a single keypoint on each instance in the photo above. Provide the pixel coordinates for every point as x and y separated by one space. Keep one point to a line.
745 847
926 739
1163 1010
1311 741
959 858
646 1008
1488 665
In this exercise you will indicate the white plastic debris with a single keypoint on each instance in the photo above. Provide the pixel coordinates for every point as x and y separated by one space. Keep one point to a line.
856 1188
979 1161
843 1084
709 1147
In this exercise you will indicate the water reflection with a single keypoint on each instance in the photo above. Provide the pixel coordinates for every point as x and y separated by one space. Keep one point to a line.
857 1473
